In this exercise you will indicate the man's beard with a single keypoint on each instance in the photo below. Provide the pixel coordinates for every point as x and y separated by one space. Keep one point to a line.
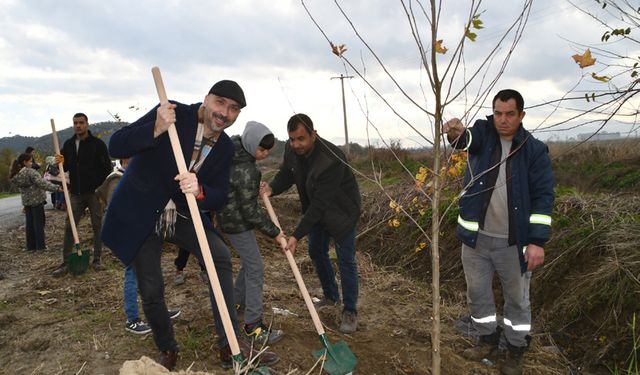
222 118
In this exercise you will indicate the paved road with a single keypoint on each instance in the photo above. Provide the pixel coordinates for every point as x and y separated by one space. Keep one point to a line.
11 214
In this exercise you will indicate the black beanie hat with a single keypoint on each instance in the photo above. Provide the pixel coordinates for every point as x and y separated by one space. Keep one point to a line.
229 89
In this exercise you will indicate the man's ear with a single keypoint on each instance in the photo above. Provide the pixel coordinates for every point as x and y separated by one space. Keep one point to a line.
522 115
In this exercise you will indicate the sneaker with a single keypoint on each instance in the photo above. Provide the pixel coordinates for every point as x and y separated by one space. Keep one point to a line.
349 322
180 278
261 334
138 327
60 271
326 302
174 313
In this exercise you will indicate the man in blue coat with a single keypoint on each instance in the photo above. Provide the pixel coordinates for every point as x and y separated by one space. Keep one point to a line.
504 223
149 204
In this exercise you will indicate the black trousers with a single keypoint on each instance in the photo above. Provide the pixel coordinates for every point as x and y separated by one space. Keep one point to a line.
148 269
35 227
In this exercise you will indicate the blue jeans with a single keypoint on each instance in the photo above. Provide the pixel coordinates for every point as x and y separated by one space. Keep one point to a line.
130 294
346 252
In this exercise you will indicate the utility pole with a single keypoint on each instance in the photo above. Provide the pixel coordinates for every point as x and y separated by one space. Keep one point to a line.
344 112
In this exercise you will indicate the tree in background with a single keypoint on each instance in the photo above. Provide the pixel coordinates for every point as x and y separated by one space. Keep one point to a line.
608 86
447 78
6 160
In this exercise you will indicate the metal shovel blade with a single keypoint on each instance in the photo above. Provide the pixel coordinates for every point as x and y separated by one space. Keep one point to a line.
260 371
339 359
78 261
241 362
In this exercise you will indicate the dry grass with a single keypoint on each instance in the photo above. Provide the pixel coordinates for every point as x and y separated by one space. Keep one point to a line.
590 283
584 297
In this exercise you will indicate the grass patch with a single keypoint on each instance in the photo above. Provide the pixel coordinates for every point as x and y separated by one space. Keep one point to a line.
589 283
7 195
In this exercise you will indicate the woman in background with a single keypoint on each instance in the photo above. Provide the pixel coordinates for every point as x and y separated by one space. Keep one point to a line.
32 188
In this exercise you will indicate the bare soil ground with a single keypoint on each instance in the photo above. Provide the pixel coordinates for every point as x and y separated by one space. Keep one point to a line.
75 325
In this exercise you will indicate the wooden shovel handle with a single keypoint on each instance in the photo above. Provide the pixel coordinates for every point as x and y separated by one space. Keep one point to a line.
56 149
197 224
294 268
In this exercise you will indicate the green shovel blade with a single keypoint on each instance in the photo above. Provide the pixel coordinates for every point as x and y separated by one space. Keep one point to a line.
262 370
78 264
339 359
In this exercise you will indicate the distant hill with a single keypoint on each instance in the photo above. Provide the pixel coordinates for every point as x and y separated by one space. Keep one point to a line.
44 144
102 130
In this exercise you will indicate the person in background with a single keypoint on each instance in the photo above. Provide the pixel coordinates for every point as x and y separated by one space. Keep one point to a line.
87 160
52 174
239 218
32 189
130 286
330 200
32 151
504 223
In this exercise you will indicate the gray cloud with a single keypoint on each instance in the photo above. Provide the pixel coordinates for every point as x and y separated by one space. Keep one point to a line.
98 54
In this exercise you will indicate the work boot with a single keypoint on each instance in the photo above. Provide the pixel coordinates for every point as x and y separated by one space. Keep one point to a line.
486 347
349 322
265 359
325 302
260 334
168 359
60 271
512 364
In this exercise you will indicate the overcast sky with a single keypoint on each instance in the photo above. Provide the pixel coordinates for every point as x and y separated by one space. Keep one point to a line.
59 57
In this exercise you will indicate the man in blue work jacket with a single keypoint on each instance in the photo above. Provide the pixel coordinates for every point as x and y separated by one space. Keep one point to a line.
504 223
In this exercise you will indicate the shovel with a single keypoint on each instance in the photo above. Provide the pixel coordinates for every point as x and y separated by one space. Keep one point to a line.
239 362
78 261
338 358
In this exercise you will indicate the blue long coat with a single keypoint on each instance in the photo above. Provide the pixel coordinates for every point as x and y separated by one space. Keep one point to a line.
148 182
